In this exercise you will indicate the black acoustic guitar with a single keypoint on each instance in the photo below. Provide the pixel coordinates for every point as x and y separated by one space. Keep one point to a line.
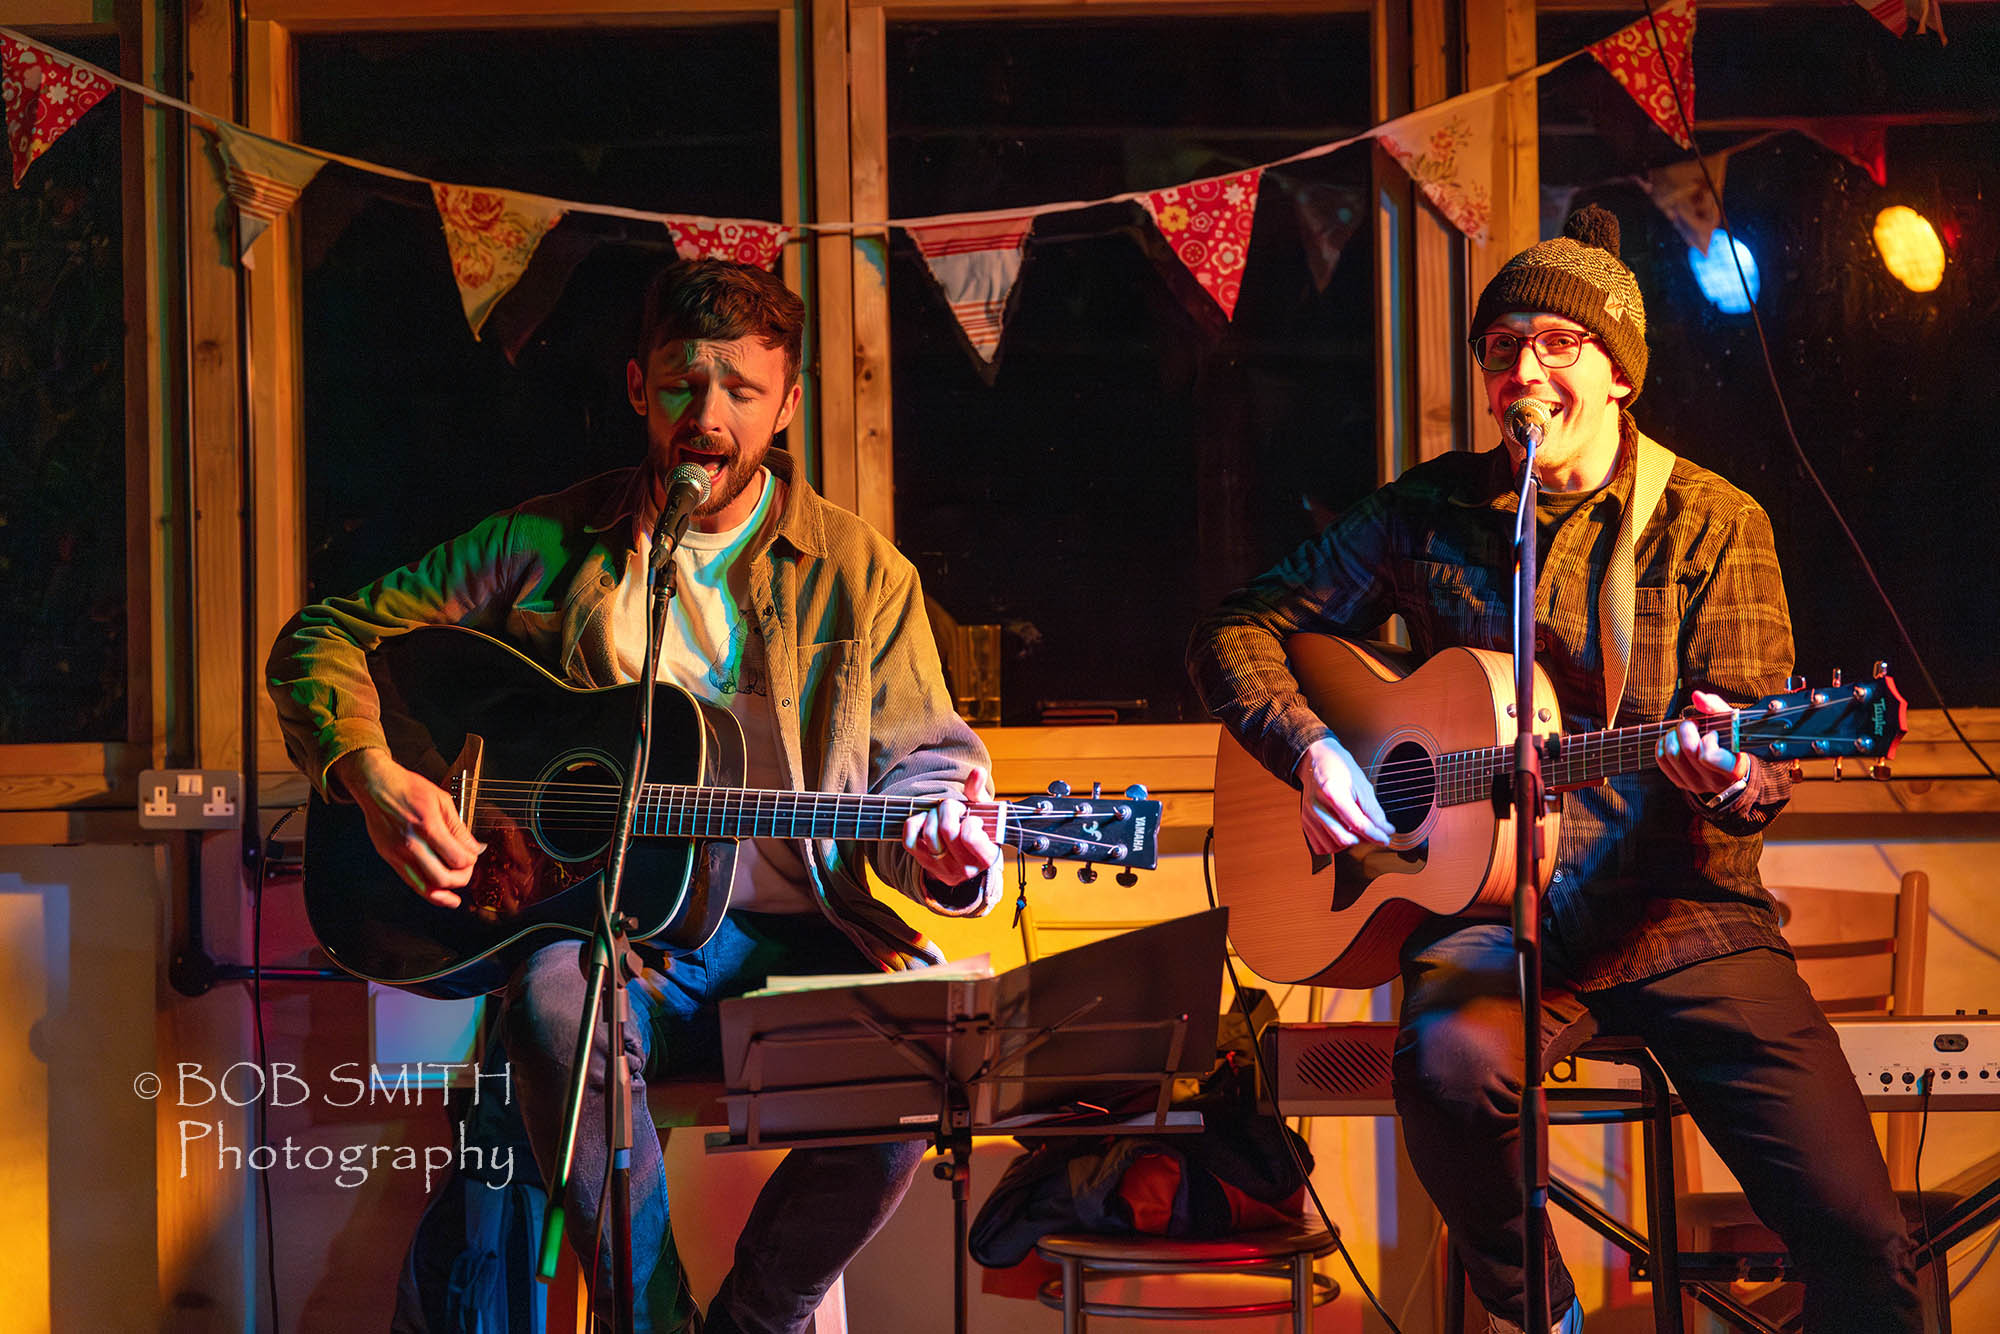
535 767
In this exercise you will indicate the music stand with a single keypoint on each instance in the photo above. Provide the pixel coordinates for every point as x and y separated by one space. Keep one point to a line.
1051 1048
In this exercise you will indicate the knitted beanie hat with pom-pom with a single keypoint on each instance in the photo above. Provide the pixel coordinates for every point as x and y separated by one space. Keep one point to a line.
1579 276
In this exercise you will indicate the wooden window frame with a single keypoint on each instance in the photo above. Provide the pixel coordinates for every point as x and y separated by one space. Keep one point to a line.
40 781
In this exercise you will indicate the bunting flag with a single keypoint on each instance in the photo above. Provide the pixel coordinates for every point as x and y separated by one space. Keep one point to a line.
1680 191
1207 223
1859 139
45 94
492 235
1898 15
1328 216
976 264
1448 152
1633 59
728 238
263 180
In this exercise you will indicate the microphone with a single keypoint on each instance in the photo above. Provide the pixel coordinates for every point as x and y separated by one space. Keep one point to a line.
687 488
1526 421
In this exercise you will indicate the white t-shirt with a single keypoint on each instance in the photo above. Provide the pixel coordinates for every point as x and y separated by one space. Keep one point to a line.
713 651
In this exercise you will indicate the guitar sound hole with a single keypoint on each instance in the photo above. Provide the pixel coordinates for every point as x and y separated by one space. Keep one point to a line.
576 800
1406 785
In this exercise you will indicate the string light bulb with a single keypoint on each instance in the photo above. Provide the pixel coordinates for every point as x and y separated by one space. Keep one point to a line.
1910 248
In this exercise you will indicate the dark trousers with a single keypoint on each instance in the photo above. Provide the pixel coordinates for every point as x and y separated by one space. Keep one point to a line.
818 1209
1754 1060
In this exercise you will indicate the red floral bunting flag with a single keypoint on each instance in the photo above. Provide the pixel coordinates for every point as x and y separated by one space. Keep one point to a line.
263 179
731 238
491 235
1634 60
1208 225
1898 15
1862 141
976 264
45 95
1448 152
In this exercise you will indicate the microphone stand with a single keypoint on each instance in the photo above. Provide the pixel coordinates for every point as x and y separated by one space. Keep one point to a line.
606 991
1527 794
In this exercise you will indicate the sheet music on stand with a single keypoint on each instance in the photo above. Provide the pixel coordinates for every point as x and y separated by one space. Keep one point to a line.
871 1059
1063 1045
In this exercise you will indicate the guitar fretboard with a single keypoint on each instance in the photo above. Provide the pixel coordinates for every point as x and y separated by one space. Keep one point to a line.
671 811
1567 761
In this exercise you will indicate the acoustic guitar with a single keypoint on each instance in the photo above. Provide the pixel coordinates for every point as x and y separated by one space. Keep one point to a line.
535 768
1438 745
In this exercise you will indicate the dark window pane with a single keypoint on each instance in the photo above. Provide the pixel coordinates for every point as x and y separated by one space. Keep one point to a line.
1892 392
1133 455
62 435
413 430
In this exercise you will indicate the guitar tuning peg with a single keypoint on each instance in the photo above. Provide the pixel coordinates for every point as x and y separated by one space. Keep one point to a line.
1058 788
1798 771
1879 771
1836 768
1836 676
1136 792
1097 789
1087 873
1127 877
1795 683
1879 670
1049 869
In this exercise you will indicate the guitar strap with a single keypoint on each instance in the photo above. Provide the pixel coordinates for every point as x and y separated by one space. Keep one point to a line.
1653 463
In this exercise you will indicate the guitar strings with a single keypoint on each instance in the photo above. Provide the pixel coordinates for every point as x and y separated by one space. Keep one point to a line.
1403 778
588 804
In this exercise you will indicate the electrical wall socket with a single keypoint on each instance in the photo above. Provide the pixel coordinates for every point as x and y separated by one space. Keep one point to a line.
190 799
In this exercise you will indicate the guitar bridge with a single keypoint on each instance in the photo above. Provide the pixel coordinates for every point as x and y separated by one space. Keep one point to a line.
463 781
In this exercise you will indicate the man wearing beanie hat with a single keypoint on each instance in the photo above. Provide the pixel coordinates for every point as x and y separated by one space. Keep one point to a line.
1655 922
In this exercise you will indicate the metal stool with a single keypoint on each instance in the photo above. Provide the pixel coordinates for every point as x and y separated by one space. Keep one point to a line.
1282 1252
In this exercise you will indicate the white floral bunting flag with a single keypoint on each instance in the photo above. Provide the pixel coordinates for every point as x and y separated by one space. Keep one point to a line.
1207 223
263 179
45 94
728 238
491 235
1448 152
1680 191
1632 55
976 263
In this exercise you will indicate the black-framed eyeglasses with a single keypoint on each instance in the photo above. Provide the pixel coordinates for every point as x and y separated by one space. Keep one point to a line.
1554 348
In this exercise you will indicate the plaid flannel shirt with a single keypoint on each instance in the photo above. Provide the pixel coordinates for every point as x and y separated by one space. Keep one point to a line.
1647 877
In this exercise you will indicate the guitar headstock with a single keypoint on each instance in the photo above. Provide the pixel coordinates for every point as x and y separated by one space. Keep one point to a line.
1827 722
1119 830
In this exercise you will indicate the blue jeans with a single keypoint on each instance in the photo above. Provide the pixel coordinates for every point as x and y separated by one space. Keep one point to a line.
1756 1063
818 1209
